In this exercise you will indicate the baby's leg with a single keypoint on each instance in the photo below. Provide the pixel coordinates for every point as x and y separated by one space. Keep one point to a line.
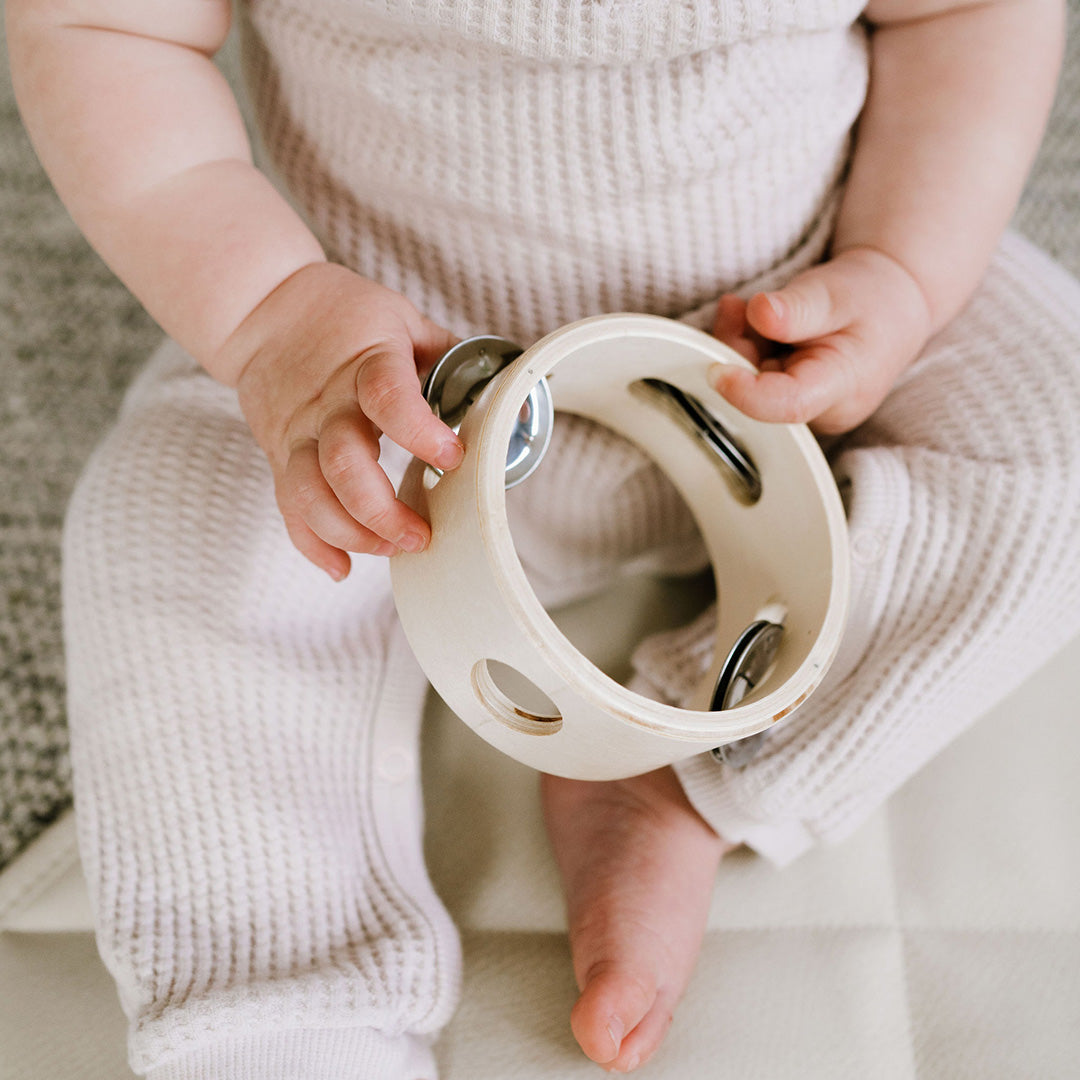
244 744
965 512
965 528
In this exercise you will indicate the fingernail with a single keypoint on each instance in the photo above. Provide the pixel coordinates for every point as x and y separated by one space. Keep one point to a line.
386 548
719 374
778 305
336 573
412 541
450 454
616 1030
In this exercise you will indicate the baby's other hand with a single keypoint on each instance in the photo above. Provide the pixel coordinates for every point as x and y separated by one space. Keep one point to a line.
329 361
828 346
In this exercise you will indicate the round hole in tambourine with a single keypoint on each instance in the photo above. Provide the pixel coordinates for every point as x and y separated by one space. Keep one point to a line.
514 699
778 553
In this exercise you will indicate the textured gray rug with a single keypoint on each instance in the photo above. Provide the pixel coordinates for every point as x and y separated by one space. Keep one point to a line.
70 339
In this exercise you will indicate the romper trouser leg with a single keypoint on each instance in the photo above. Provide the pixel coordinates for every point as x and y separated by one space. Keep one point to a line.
964 507
244 741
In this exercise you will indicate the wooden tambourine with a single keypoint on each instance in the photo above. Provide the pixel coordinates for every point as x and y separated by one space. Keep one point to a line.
762 495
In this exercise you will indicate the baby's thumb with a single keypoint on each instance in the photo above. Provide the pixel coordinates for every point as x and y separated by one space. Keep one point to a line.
430 343
810 306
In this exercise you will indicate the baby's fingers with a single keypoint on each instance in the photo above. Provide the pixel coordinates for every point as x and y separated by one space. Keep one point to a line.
813 305
348 453
732 327
388 391
325 556
317 523
810 385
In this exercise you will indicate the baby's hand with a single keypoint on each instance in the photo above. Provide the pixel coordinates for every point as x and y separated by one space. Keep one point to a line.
829 345
328 362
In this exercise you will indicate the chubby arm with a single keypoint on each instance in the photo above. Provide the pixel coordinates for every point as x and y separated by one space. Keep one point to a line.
959 94
144 143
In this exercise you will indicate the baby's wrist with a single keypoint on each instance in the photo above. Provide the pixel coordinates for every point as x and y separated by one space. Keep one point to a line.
271 320
892 277
897 312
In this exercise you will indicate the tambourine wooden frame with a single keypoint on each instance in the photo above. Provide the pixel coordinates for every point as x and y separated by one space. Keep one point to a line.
465 600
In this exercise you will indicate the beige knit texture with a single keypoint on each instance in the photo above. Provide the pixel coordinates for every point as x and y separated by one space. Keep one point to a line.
243 737
512 167
964 491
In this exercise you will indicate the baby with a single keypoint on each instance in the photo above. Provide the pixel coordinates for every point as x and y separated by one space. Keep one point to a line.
839 177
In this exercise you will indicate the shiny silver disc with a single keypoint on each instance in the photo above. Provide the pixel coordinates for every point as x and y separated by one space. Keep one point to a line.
459 376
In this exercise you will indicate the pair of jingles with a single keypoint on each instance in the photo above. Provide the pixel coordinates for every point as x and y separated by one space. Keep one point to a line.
764 500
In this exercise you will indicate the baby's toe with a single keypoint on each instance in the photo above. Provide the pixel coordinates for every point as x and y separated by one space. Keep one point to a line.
612 1005
645 1039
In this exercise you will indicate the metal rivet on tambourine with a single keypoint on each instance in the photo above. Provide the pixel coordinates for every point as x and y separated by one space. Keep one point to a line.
746 665
459 376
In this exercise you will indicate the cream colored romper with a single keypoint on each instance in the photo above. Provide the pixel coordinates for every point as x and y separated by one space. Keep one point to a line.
256 869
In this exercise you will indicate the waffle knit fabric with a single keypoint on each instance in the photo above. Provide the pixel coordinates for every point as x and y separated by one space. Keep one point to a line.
513 167
964 509
244 732
244 748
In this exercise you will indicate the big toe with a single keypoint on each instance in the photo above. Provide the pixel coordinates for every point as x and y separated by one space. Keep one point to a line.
612 1004
620 1018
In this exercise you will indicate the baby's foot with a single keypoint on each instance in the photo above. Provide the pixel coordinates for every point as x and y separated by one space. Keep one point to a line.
638 864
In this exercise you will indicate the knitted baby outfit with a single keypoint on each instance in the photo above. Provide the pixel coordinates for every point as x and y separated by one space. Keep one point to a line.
964 516
244 731
511 167
244 743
